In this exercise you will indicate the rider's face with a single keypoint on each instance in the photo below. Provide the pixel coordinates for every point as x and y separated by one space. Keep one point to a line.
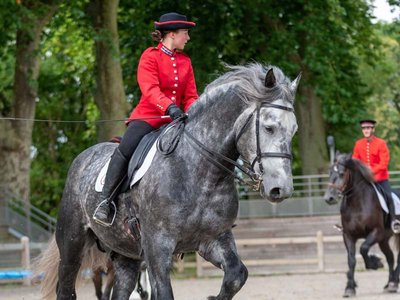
367 130
180 38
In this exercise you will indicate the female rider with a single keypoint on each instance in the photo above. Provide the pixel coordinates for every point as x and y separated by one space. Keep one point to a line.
166 81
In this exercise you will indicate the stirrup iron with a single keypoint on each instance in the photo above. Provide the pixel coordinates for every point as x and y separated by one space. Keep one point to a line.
101 222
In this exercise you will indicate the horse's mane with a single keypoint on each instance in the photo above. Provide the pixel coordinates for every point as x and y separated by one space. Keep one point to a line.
249 79
358 170
247 83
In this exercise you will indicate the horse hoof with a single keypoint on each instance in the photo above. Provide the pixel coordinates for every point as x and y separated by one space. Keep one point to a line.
349 292
211 298
391 287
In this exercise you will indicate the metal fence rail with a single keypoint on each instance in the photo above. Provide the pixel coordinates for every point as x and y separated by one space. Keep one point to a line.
307 199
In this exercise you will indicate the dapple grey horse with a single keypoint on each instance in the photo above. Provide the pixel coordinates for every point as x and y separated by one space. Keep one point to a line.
187 200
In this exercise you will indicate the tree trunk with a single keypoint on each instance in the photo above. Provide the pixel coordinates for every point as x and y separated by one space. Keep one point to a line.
110 96
312 146
16 135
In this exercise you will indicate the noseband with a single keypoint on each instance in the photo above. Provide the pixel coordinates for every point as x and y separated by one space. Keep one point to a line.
255 177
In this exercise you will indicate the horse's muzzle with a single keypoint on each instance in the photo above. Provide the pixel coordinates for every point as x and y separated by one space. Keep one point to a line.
331 200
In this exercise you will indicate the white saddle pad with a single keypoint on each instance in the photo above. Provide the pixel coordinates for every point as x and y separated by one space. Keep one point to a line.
137 176
382 201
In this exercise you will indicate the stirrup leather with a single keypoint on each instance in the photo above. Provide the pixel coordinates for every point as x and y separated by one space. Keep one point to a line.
101 222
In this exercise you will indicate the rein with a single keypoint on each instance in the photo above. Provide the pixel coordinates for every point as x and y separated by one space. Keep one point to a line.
214 156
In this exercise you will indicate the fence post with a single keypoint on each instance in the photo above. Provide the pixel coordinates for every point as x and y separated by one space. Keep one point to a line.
320 251
199 265
25 258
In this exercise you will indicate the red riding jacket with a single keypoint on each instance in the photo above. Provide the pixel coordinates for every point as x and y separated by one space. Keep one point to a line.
375 154
164 78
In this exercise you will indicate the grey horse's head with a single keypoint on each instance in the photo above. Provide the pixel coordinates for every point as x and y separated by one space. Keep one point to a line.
266 129
336 173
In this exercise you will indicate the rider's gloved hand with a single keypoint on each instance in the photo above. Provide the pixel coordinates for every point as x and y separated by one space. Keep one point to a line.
175 112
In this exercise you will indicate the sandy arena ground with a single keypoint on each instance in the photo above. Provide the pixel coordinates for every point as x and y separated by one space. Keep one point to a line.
307 286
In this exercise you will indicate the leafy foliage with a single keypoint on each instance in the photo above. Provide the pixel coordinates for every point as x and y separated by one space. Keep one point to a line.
66 93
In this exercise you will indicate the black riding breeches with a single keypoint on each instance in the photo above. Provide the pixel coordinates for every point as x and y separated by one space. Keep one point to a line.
135 132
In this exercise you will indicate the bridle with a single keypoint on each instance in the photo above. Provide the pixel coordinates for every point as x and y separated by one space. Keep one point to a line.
343 190
256 178
260 154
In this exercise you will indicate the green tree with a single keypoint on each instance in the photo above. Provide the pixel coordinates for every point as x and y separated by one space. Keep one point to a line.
25 21
110 95
66 103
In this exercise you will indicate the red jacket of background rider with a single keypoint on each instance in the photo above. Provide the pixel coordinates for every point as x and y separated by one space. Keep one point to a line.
375 154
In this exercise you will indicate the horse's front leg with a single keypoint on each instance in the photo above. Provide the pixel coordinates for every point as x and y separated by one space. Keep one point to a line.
126 273
371 261
158 251
350 244
223 254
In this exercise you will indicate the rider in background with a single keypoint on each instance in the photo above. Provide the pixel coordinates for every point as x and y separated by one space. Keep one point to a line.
374 152
166 80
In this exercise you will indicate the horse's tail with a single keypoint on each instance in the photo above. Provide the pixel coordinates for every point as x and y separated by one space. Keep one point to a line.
45 267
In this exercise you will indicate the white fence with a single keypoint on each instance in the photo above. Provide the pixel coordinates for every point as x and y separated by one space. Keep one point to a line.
307 199
21 274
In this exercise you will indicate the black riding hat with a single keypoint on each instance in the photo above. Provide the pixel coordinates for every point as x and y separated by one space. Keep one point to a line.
368 121
173 21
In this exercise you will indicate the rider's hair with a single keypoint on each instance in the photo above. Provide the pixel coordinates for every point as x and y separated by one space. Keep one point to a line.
159 35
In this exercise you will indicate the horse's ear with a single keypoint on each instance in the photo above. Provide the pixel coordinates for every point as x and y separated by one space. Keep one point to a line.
295 84
270 79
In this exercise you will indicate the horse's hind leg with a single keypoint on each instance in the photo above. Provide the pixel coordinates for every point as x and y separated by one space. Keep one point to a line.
71 238
71 248
125 277
223 254
385 248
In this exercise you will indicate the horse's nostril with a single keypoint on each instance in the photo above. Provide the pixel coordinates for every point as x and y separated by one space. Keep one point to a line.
275 192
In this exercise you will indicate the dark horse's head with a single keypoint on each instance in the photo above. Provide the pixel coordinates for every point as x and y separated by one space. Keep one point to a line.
343 175
333 192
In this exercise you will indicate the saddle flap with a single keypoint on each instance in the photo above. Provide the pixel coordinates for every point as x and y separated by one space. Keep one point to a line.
141 151
138 164
382 201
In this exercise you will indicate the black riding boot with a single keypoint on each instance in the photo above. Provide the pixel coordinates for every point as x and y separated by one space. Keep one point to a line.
116 172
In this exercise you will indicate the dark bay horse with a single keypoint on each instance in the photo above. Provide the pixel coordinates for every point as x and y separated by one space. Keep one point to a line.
187 200
362 218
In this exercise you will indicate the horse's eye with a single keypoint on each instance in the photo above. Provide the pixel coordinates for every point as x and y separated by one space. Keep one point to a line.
269 129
